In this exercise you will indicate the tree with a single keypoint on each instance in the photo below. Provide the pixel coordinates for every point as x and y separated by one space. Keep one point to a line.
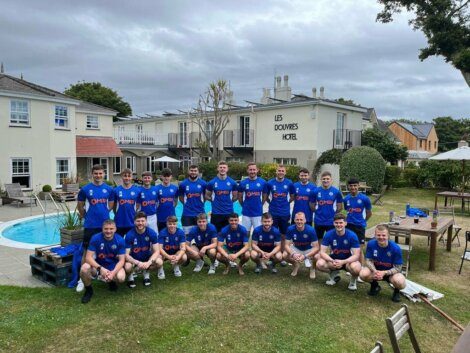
445 23
213 114
382 142
95 92
405 121
451 131
345 101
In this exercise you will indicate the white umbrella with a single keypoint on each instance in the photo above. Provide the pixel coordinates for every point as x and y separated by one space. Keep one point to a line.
167 159
461 153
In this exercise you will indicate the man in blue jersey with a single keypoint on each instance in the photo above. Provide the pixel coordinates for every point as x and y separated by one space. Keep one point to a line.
167 198
340 251
302 193
142 250
147 201
383 263
233 244
326 201
359 210
172 247
202 241
94 201
266 244
301 245
125 203
222 192
192 195
105 259
277 194
250 197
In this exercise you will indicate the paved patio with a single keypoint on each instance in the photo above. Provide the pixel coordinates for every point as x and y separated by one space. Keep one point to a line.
14 263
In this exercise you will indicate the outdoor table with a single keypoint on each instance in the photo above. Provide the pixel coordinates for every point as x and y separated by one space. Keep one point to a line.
452 195
463 342
423 227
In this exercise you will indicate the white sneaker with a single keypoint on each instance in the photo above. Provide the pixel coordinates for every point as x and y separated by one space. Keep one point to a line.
258 269
80 286
352 284
161 273
307 262
233 264
211 269
360 280
177 271
334 278
199 265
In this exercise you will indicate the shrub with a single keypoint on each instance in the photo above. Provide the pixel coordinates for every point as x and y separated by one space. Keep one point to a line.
237 170
365 164
412 177
208 170
268 170
445 174
332 156
292 172
181 177
46 188
392 175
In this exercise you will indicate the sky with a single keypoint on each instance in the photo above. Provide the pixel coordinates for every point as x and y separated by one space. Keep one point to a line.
161 55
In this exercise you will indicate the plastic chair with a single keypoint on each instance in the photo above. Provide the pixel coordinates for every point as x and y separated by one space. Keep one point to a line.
398 325
466 252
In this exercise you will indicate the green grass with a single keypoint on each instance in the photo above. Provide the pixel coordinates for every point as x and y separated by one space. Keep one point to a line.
256 313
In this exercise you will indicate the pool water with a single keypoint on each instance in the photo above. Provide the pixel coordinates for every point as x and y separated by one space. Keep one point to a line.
46 230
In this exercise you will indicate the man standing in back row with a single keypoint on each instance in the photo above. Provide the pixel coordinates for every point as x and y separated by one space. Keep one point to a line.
302 193
192 192
167 198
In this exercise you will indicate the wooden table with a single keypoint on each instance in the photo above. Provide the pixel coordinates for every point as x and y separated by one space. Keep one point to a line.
423 227
463 343
452 195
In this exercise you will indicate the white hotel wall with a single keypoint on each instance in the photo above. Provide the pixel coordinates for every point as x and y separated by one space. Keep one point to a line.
105 123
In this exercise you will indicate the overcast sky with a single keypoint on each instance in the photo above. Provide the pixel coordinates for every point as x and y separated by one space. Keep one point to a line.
160 55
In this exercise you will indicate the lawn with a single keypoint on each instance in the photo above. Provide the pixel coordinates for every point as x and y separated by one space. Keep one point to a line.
256 313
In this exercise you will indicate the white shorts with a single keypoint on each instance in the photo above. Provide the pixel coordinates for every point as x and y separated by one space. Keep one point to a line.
249 222
152 222
298 251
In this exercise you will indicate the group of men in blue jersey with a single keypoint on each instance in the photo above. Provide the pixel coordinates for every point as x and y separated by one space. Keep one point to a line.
144 233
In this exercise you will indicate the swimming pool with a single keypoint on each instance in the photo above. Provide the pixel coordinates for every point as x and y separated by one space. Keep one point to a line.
32 232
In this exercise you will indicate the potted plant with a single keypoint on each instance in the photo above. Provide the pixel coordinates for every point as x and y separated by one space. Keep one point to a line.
70 184
46 189
70 225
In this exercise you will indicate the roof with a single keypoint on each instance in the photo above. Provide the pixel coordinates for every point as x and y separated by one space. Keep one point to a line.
382 126
92 146
95 108
419 130
368 114
412 154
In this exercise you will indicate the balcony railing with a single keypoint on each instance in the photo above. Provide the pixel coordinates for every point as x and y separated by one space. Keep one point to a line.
345 139
187 140
238 138
140 138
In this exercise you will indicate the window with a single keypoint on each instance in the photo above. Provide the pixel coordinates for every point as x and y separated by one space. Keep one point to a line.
244 130
130 163
435 144
92 122
183 134
61 117
19 113
234 159
209 127
117 165
285 161
21 172
139 128
429 144
420 143
62 170
339 136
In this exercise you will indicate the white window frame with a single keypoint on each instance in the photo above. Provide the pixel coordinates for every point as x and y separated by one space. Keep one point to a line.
130 163
17 116
61 174
340 128
58 118
28 174
117 170
183 133
285 160
92 122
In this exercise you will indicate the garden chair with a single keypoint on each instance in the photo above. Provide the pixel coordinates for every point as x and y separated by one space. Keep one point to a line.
378 348
449 211
398 325
377 197
397 234
15 194
466 252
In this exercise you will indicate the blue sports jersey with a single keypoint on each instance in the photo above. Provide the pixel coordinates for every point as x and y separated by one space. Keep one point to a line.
166 196
252 196
107 251
356 207
302 239
125 201
96 200
193 192
148 200
266 240
202 238
384 258
140 245
279 196
171 242
302 197
340 246
234 239
222 194
327 201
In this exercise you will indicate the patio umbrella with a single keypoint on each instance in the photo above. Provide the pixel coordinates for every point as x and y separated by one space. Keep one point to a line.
167 159
461 153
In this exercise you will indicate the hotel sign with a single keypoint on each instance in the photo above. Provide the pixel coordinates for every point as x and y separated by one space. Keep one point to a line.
280 126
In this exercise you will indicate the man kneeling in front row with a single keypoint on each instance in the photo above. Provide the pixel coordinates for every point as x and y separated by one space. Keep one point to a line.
383 263
142 250
104 260
201 241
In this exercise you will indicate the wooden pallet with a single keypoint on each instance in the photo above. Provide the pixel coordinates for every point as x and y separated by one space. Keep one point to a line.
47 271
63 196
46 253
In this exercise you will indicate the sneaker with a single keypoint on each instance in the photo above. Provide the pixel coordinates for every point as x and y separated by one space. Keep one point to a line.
131 284
396 296
177 271
283 263
233 264
307 262
352 284
258 269
80 287
161 273
112 286
274 270
88 294
147 282
374 289
199 265
334 278
216 263
211 269
359 280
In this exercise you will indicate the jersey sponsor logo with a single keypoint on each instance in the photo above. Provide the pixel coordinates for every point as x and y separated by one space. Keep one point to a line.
345 242
247 186
359 201
148 203
228 183
199 186
335 243
258 184
154 192
285 186
341 251
319 195
193 194
384 264
105 191
389 254
90 192
375 253
147 238
187 187
102 246
104 256
325 202
171 247
120 193
271 237
305 236
215 184
137 250
330 193
308 189
132 193
279 194
253 194
301 198
234 244
222 192
114 246
354 210
166 199
123 202
301 243
97 201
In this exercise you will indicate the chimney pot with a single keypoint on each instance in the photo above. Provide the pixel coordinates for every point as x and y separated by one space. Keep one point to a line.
322 92
314 92
286 80
462 143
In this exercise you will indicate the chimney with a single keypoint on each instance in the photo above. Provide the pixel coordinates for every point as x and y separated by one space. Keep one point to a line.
314 92
462 144
286 80
322 92
1 68
278 82
266 96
